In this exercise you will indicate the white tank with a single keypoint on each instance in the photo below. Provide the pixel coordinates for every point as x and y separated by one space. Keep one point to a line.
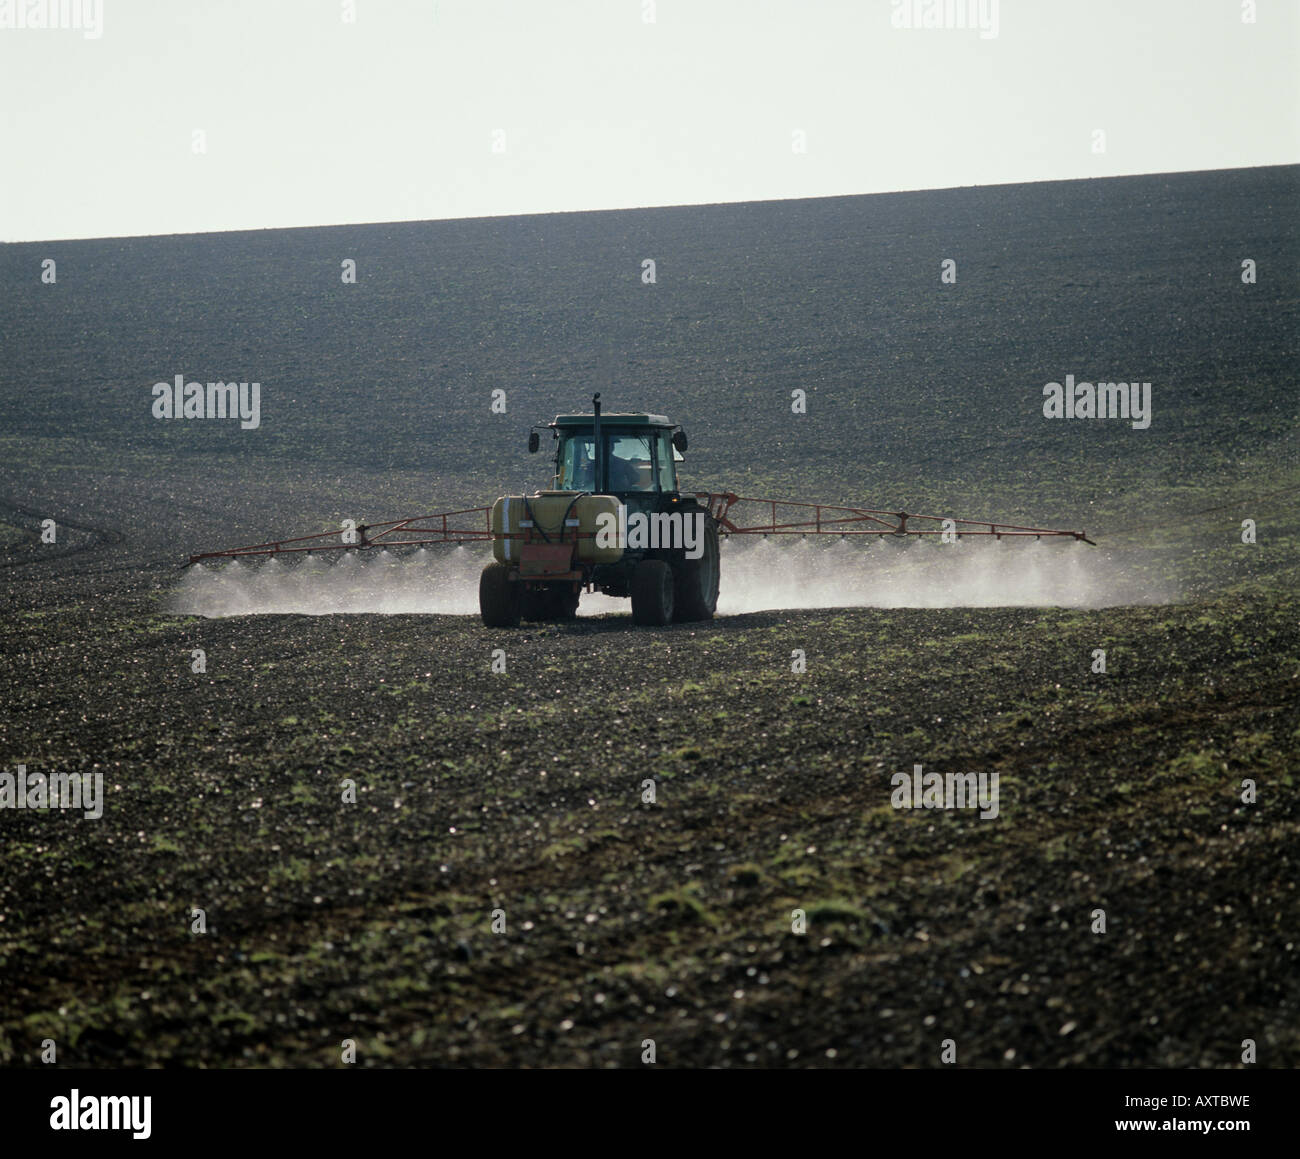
549 510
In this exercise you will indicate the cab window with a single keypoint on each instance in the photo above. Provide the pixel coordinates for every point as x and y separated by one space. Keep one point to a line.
628 464
577 464
664 456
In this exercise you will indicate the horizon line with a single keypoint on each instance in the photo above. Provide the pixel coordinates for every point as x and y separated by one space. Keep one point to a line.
643 208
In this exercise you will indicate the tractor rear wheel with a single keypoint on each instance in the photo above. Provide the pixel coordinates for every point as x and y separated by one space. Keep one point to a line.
697 580
652 593
499 601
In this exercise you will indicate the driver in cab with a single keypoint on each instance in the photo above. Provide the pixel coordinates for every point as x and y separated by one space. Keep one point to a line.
629 471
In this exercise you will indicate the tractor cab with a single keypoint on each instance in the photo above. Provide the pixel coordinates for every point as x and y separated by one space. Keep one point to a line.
632 456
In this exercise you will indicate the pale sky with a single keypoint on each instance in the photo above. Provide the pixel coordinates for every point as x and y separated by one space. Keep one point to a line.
310 120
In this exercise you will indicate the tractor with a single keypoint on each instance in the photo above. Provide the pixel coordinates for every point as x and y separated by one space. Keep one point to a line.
613 521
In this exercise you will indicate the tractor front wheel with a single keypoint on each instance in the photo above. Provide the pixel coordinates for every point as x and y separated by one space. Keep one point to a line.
652 593
564 604
552 603
499 600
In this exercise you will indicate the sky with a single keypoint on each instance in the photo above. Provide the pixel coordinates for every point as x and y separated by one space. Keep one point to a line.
179 116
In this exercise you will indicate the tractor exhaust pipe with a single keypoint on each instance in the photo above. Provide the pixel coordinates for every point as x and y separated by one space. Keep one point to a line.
600 446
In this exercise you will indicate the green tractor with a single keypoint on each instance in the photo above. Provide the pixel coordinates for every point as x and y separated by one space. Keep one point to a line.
613 522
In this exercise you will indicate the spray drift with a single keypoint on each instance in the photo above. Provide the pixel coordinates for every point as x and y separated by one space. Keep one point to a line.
614 524
761 575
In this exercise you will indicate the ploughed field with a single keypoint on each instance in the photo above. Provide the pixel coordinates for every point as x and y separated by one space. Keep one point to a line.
526 791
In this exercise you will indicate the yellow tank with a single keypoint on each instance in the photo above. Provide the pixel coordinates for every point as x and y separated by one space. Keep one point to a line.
549 508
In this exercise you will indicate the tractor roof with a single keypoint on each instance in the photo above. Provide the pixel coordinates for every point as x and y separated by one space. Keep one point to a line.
618 420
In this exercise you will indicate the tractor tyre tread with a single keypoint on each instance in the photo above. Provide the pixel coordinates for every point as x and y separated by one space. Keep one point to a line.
652 593
500 601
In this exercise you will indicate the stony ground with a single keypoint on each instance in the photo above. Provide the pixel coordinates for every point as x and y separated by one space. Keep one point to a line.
526 792
502 890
